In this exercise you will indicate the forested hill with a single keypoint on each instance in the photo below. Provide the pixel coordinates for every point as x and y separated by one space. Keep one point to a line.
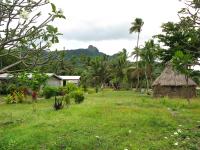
74 62
91 51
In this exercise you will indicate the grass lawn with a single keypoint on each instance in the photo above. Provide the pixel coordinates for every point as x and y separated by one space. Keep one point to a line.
108 120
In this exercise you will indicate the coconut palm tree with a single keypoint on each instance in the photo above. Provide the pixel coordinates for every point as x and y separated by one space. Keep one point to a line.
118 66
148 55
99 71
137 27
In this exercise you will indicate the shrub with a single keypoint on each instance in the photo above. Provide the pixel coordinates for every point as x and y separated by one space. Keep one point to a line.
78 96
15 97
11 99
58 104
49 92
70 87
11 88
20 97
67 100
61 91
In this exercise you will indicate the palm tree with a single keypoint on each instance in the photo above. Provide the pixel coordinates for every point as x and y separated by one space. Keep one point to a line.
137 27
118 66
99 71
148 56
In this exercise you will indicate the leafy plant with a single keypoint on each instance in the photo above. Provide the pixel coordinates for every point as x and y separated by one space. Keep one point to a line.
20 97
49 91
58 103
78 97
15 97
182 61
33 80
70 87
67 100
9 99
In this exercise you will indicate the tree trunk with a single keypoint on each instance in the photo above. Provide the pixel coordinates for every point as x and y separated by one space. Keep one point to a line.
137 63
147 80
187 95
151 81
102 85
150 75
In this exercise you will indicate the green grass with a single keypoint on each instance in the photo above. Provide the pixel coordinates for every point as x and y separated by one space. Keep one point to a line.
105 121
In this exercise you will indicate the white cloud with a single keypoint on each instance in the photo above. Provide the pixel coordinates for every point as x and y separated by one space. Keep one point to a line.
105 23
91 32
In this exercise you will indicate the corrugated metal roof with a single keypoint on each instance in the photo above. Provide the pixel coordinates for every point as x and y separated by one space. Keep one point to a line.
30 75
48 74
6 76
70 77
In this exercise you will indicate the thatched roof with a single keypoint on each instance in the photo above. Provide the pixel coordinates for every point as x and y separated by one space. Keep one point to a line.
170 77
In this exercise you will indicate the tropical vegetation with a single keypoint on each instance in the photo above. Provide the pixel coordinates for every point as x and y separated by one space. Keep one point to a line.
104 111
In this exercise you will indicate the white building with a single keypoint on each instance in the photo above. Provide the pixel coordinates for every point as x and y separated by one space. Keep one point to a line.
70 79
53 80
5 76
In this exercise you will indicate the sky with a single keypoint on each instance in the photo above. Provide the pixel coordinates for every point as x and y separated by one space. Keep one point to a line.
105 23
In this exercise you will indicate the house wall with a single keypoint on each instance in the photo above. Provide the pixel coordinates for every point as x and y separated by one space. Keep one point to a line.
174 91
73 81
54 82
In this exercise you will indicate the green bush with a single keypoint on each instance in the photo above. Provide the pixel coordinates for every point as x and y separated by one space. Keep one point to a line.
61 91
70 87
49 91
20 97
9 99
15 97
67 100
78 96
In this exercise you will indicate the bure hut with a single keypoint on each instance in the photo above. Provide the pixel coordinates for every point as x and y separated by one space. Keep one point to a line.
173 84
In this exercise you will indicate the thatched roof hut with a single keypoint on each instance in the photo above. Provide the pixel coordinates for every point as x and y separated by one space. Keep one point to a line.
173 84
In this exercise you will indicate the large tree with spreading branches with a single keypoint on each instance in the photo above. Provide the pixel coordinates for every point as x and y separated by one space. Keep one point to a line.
26 33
